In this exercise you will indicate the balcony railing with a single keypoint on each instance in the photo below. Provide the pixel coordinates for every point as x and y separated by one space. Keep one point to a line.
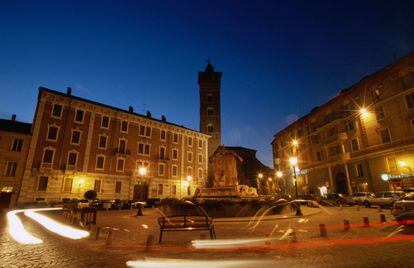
340 136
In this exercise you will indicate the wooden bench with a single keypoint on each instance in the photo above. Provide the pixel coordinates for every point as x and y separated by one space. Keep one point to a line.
186 223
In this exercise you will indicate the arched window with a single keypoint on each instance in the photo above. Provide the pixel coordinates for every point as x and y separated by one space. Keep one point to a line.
210 128
210 111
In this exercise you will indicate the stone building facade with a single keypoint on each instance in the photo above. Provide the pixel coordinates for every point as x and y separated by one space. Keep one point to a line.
361 140
14 146
78 145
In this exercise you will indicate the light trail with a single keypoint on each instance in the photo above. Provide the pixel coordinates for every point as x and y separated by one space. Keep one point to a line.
17 230
182 263
54 226
205 244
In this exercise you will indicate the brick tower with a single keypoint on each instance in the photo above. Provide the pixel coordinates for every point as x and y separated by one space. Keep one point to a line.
209 83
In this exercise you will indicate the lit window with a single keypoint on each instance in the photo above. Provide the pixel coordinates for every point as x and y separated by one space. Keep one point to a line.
67 185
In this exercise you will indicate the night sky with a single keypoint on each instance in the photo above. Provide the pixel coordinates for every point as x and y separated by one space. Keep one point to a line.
279 58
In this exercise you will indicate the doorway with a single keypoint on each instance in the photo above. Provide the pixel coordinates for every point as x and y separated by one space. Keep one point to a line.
5 198
341 184
141 192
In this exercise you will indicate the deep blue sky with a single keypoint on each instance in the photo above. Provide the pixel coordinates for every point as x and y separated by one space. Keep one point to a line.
279 58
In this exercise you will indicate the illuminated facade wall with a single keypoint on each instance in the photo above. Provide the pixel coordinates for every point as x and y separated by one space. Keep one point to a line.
349 142
79 145
14 145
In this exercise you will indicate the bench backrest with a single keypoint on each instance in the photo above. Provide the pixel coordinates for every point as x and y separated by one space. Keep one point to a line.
183 221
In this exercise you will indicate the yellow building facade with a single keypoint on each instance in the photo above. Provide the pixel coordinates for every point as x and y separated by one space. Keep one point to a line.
14 145
361 140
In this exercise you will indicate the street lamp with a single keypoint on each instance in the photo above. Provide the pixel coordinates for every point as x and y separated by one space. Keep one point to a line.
279 174
363 111
295 142
260 176
293 162
142 171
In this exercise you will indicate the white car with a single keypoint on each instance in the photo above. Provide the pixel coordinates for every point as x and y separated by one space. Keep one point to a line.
403 209
384 199
360 197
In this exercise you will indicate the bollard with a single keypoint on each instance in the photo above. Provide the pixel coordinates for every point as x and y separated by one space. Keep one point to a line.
98 231
108 238
366 222
293 238
150 242
382 218
347 226
322 230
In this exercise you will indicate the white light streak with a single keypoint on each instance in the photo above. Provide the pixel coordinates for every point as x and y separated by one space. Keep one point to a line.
222 243
54 226
17 230
181 263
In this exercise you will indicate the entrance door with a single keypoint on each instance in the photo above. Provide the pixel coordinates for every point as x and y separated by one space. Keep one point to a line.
5 198
141 192
341 185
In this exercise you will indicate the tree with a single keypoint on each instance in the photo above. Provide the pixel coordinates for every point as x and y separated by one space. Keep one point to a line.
90 195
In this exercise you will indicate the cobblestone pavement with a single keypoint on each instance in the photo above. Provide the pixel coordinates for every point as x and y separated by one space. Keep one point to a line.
359 247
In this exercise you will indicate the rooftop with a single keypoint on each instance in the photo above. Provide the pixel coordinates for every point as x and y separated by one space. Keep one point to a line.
69 95
15 126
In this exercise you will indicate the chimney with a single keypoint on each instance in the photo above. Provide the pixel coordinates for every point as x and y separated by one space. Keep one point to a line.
131 109
13 118
148 114
69 91
163 118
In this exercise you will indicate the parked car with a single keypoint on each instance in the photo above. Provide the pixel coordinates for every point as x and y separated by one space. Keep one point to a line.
403 209
360 197
384 199
117 204
338 199
97 203
408 190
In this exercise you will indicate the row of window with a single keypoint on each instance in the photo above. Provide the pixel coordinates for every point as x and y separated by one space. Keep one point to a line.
144 131
67 186
100 163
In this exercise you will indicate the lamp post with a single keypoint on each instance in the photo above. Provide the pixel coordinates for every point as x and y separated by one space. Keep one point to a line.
293 162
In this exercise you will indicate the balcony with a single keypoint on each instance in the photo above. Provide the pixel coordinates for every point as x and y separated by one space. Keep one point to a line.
161 157
121 151
340 136
332 117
